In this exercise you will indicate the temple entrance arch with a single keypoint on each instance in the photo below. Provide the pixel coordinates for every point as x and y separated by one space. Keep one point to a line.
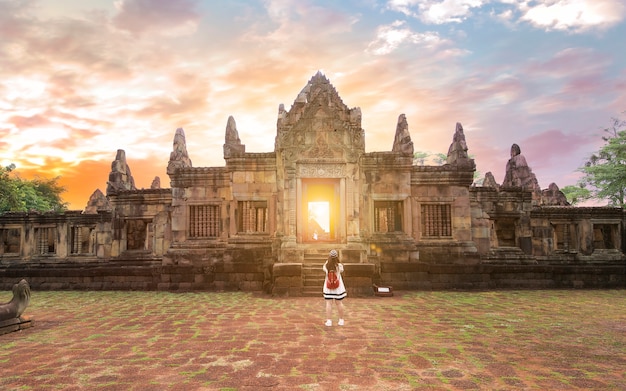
319 216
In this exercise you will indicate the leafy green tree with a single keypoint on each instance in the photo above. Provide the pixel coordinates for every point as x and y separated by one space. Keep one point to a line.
576 194
605 172
9 193
419 157
20 195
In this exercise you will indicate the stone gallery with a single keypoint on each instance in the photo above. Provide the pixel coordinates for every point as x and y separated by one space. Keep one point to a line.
266 221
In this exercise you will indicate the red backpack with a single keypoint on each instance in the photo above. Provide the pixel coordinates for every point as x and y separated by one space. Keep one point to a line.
332 282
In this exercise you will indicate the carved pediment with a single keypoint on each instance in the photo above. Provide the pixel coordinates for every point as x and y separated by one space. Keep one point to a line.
320 125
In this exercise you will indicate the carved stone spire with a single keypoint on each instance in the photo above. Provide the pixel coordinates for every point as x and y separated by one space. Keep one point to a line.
120 177
457 153
518 174
97 201
490 181
178 157
232 146
553 196
402 142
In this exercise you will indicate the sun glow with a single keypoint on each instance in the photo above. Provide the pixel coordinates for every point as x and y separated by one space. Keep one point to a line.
319 213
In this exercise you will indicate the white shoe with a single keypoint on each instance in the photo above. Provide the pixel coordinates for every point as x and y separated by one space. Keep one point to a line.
329 323
340 323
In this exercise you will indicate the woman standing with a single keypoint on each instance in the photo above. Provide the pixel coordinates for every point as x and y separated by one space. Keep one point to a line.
334 294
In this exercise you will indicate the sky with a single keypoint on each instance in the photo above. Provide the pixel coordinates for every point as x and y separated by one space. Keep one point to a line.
80 79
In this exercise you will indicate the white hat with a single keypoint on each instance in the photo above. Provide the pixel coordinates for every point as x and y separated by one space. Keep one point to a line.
333 254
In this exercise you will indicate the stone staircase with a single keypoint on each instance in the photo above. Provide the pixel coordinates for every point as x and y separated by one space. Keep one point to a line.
312 273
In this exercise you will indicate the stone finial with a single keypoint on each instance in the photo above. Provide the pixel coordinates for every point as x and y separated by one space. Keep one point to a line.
178 157
355 116
233 145
553 196
120 177
282 113
97 201
457 153
156 183
518 173
402 142
490 181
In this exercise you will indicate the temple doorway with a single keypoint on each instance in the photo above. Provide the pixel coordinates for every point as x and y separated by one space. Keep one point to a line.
320 208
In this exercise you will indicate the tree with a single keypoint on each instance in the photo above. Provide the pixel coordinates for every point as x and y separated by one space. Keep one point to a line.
576 194
605 172
20 195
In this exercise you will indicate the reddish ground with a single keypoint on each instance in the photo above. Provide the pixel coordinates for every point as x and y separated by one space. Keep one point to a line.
507 340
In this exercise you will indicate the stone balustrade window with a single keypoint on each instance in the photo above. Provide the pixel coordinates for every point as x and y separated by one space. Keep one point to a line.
10 239
80 239
436 220
605 236
565 237
387 216
45 238
252 216
136 233
204 221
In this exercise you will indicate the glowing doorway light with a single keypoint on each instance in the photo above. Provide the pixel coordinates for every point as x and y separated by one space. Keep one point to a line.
319 217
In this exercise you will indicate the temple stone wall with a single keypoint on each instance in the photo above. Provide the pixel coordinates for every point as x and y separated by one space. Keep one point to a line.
249 225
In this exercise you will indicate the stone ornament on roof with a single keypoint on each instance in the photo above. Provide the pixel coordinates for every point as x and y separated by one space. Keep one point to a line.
402 142
178 157
518 173
457 153
232 146
97 201
120 178
490 181
553 196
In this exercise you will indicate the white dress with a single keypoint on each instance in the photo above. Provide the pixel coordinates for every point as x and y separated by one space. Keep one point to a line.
338 293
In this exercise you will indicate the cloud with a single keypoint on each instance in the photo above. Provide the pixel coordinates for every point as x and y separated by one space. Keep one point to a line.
436 12
574 15
578 16
390 37
168 17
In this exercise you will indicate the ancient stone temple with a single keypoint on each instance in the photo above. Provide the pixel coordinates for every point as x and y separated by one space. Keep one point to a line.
266 221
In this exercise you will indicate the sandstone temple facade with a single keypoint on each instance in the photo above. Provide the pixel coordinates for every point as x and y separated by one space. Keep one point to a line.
265 221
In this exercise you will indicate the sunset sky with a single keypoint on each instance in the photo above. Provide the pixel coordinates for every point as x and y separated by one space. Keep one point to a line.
80 79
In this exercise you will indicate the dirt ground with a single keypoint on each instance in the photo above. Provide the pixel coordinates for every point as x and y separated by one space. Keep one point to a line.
502 340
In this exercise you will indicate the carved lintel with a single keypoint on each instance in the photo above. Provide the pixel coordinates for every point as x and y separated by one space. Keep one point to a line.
321 170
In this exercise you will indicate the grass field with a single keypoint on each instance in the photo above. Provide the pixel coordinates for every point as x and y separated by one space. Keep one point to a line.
500 340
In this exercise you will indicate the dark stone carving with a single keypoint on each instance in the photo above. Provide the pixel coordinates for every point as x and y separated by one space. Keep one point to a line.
232 146
97 201
553 196
490 181
178 157
518 173
120 177
21 298
457 153
402 142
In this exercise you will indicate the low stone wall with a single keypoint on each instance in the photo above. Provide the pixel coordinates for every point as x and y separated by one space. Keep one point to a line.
421 276
137 275
358 278
287 278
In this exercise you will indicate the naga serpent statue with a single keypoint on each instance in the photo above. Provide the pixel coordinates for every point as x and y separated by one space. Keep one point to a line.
14 308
